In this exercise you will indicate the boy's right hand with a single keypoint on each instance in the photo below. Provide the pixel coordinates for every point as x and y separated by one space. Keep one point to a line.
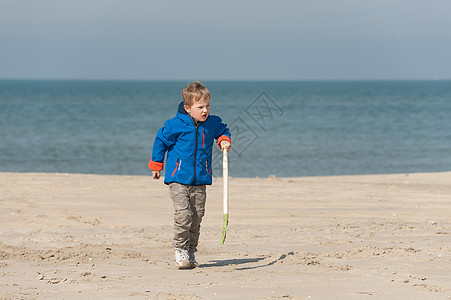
156 175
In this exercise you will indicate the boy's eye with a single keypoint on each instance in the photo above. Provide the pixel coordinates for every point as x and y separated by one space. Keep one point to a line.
202 106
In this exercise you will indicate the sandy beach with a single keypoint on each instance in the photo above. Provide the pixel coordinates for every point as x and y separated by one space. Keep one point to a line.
71 236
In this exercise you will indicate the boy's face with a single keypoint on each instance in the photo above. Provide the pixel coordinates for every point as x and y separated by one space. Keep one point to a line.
200 110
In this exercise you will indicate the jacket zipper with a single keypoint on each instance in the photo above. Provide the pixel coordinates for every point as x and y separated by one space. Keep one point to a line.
195 150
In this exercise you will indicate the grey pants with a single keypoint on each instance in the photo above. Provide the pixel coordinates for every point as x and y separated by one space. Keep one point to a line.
189 208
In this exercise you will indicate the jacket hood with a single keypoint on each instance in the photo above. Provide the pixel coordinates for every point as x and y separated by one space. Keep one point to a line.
181 109
183 115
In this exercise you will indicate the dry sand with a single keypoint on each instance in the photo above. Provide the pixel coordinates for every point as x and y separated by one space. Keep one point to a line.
70 236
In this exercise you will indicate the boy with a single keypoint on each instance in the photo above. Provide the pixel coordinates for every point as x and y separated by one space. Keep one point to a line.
188 139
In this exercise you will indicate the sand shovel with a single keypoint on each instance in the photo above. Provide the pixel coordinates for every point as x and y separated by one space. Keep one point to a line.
225 178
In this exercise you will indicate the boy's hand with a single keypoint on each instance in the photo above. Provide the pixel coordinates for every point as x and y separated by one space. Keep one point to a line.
225 145
156 175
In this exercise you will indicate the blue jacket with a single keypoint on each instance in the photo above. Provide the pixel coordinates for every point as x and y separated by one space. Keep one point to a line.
189 148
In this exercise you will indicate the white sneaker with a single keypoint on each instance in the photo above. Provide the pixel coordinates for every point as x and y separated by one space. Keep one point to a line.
192 260
182 259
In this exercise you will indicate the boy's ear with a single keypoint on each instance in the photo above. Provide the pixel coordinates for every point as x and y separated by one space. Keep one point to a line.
187 108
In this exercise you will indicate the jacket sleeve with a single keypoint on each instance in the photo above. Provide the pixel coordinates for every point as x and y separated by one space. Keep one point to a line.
222 133
165 138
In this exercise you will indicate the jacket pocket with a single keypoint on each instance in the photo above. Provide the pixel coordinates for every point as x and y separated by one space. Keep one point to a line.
177 166
207 167
203 137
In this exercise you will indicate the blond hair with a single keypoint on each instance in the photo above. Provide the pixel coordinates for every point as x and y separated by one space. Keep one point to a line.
193 92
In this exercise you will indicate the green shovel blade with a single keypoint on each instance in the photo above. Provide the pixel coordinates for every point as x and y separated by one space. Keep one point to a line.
224 228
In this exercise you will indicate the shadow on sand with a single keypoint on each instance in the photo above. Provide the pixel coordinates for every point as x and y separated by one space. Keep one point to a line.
234 262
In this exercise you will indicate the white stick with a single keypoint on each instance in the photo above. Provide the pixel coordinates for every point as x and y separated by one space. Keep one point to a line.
225 178
225 175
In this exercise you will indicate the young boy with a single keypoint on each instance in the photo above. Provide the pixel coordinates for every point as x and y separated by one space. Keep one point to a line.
188 139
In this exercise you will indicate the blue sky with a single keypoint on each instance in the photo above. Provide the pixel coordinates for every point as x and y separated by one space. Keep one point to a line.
227 40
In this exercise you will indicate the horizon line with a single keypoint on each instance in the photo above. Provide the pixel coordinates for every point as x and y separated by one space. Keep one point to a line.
226 80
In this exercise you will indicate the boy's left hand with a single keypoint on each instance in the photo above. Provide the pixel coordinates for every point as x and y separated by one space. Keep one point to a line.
225 145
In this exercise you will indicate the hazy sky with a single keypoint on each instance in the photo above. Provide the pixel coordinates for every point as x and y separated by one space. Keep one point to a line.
232 40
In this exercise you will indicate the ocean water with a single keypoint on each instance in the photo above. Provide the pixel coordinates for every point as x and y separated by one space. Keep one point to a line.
279 128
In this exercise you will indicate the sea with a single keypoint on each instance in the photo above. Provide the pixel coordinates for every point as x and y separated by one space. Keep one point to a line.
282 129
